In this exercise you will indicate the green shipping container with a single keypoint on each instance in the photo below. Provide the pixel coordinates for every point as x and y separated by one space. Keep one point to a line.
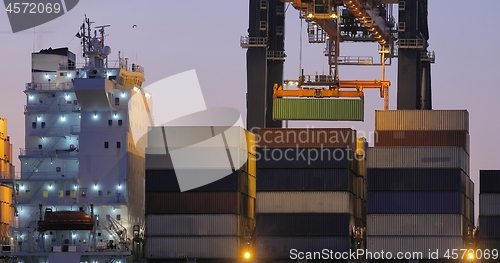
319 109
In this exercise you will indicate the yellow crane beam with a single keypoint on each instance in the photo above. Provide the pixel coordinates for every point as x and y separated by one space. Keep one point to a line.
336 91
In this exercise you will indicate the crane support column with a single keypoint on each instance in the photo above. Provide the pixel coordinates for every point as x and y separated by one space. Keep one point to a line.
256 42
275 56
414 70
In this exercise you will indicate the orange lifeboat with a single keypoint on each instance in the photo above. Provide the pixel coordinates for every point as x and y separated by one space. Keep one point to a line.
65 220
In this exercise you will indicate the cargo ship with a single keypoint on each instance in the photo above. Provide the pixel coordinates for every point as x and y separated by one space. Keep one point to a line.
79 197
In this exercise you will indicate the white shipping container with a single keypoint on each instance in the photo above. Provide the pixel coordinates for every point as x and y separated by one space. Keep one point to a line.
193 247
413 245
304 202
489 204
195 225
415 225
422 120
418 157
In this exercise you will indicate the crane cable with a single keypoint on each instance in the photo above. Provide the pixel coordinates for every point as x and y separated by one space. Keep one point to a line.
300 49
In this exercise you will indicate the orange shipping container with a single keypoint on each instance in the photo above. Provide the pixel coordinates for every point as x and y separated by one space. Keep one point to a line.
422 138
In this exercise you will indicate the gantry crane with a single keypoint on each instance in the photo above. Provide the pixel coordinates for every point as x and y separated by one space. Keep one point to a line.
332 22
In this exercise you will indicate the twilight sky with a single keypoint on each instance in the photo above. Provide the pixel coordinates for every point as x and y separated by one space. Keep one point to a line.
172 37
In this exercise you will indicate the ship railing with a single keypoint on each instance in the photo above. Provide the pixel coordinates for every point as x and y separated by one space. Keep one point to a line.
32 152
50 132
7 175
50 176
34 86
39 153
74 129
51 108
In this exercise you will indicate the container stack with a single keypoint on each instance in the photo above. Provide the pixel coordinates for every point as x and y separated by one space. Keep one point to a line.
420 195
200 195
489 209
310 191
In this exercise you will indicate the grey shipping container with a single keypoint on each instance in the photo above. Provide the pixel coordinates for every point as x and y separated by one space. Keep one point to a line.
489 226
285 247
489 204
421 120
306 180
416 225
418 247
418 157
166 181
200 203
341 158
305 202
304 224
422 138
198 225
489 181
194 247
417 179
416 203
306 137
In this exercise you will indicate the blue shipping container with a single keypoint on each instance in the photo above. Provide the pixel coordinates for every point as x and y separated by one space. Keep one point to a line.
415 179
416 203
489 226
305 180
166 181
489 181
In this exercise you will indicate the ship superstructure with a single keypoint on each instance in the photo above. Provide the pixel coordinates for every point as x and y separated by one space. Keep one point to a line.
80 197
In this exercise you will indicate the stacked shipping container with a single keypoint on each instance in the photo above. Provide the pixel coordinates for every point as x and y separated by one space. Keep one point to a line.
309 194
489 209
191 212
420 195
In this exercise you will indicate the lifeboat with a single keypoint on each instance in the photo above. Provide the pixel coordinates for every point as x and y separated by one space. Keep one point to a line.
65 220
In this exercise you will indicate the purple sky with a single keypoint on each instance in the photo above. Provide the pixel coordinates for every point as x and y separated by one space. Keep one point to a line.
172 37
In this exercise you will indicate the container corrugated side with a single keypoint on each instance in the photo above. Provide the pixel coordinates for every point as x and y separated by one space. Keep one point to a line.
305 202
489 226
489 204
282 247
304 224
417 179
414 245
319 109
422 138
193 247
416 203
200 203
489 181
200 136
166 181
279 158
306 137
196 225
421 120
415 225
491 244
305 180
200 158
418 157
